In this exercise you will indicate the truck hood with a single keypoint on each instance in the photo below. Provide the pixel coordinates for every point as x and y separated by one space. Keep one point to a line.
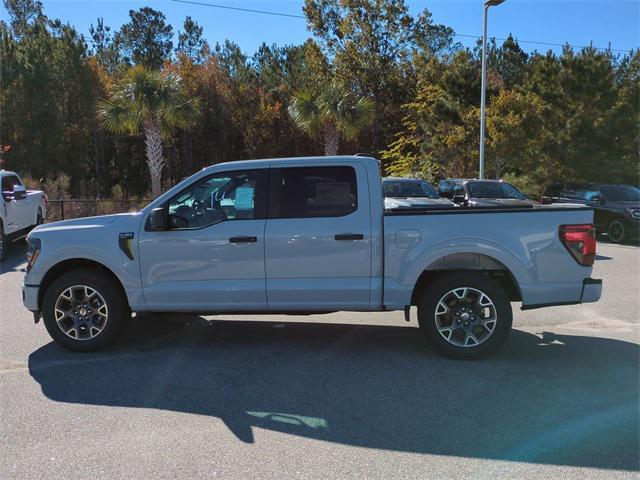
80 223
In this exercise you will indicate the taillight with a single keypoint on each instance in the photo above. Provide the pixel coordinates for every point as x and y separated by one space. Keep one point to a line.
580 240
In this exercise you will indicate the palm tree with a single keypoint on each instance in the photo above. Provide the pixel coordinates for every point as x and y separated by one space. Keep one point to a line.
331 115
154 101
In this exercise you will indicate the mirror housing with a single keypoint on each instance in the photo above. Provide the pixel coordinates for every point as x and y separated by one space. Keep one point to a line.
599 199
459 199
158 220
19 192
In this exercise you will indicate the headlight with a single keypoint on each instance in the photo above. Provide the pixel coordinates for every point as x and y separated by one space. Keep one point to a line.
32 252
634 212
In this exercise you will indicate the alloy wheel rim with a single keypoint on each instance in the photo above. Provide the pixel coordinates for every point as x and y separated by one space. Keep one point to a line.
465 317
81 312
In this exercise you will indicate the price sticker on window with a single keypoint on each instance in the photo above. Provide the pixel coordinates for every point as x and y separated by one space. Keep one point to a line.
244 197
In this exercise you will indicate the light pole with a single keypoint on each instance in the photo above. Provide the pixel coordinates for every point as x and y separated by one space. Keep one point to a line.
483 86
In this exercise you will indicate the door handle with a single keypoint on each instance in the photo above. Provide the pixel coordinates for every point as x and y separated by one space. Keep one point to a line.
243 240
349 236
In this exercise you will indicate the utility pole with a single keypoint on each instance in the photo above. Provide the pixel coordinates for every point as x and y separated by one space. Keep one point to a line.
483 87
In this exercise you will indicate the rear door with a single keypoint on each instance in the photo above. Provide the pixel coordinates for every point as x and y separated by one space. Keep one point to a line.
318 238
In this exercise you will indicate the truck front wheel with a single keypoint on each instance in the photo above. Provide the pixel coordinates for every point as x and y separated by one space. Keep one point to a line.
84 310
464 315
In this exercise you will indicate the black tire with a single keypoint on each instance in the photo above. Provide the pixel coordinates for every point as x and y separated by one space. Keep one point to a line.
3 243
117 309
617 231
445 284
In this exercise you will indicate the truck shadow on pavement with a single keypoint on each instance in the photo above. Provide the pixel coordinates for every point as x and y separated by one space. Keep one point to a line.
553 399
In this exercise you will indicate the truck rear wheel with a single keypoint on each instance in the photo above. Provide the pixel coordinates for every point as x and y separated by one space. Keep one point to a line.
464 315
84 310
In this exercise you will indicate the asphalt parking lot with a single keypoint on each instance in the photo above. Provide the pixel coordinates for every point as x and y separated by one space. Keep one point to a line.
335 396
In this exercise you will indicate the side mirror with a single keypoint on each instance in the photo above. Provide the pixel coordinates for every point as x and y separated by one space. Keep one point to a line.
546 200
599 199
158 220
459 199
19 192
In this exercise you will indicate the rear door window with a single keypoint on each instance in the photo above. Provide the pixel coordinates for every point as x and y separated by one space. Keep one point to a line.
305 192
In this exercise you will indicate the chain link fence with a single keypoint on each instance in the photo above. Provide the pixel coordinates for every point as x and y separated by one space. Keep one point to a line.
67 208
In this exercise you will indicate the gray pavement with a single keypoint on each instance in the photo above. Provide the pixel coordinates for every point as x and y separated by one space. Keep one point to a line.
333 396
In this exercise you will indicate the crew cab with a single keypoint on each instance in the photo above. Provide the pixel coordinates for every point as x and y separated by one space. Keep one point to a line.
20 209
308 235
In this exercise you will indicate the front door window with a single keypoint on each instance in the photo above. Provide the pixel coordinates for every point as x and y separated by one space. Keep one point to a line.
221 197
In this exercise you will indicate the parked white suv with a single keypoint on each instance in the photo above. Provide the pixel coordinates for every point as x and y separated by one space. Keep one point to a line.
20 209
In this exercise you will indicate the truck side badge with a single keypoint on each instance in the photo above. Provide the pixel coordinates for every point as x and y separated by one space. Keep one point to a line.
124 243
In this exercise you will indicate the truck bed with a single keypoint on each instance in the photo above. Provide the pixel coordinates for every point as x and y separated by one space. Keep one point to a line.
522 241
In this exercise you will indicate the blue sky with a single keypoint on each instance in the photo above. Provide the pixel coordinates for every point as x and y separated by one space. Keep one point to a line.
554 21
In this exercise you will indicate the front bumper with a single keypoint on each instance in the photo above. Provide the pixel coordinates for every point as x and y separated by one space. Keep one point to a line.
30 297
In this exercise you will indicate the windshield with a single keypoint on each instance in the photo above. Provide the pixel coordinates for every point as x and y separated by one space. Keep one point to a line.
408 189
621 193
494 190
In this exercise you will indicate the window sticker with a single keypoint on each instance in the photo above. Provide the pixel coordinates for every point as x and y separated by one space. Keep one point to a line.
244 197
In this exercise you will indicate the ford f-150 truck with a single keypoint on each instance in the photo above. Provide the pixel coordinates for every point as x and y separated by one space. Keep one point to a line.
20 209
308 235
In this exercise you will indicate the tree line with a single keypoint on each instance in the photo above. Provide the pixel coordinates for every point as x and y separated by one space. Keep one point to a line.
124 111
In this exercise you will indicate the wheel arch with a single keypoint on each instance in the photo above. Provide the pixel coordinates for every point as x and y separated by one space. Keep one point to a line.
468 261
76 264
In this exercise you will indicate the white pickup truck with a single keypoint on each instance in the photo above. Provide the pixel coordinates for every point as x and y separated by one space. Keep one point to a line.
308 235
20 209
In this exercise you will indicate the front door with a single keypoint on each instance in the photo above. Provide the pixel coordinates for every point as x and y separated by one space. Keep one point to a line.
16 210
318 239
212 257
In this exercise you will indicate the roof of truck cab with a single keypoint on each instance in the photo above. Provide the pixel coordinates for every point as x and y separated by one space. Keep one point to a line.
275 161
